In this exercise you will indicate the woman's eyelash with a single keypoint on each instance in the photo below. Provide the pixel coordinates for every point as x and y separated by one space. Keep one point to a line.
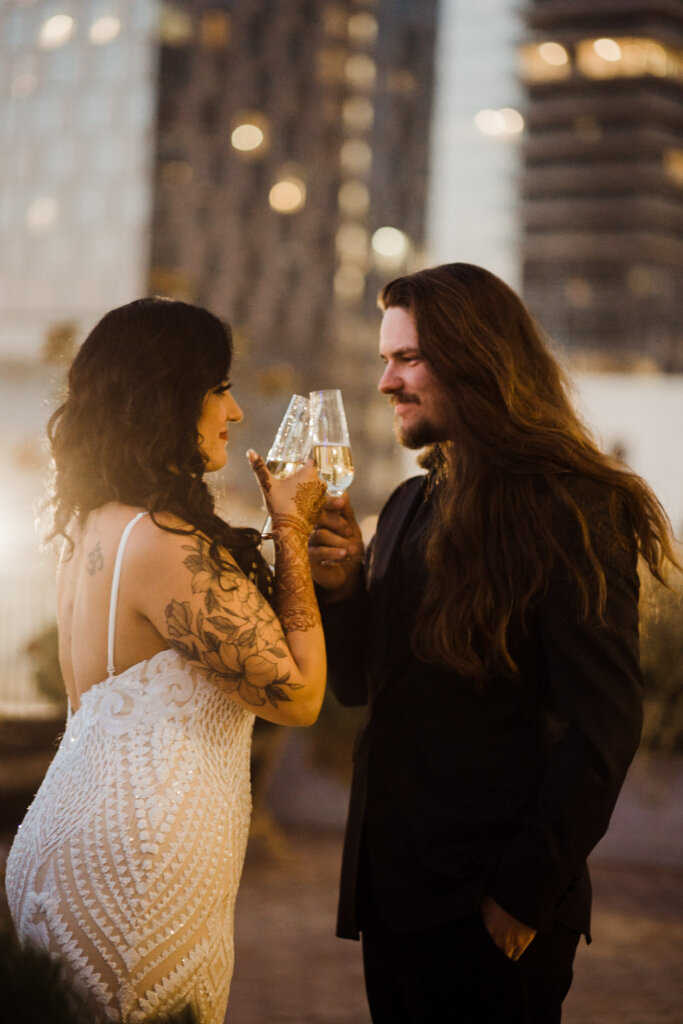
222 389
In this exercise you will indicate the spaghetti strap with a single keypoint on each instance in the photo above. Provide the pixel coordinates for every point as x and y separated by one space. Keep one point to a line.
115 592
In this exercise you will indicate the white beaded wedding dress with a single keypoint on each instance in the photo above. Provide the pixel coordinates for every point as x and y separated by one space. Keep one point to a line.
128 861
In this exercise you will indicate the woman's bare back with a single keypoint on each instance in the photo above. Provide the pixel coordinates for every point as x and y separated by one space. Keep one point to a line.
83 596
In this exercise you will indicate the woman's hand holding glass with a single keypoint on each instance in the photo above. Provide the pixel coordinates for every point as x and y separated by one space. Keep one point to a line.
290 448
295 499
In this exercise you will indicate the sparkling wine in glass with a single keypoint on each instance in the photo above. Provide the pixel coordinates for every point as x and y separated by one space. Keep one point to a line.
330 440
290 448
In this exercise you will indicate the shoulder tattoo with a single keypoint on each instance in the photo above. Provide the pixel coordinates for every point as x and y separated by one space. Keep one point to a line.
95 560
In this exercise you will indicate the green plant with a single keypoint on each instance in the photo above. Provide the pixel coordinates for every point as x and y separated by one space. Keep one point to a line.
43 653
662 663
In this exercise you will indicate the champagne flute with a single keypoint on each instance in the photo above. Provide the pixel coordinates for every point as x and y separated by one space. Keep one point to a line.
289 450
330 440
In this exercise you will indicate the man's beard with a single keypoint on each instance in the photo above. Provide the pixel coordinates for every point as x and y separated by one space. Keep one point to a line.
417 435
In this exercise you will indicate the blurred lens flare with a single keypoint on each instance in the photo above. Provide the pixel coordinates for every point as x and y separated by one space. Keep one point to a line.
56 31
247 137
288 195
104 30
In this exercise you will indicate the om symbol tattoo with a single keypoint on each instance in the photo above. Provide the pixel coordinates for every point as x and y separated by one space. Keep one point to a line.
95 560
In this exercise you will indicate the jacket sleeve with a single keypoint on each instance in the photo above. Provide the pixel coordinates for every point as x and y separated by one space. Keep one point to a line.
595 687
347 624
344 626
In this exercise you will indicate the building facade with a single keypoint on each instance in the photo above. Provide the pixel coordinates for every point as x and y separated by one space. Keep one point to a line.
602 192
76 124
477 131
280 127
240 154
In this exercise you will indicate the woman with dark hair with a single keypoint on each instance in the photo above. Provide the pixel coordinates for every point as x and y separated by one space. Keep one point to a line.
173 635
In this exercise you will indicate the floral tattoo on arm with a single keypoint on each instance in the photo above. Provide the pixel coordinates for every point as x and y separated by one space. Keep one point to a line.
229 638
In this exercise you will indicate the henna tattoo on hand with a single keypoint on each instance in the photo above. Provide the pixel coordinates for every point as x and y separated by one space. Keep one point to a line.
295 600
95 560
293 521
309 500
231 639
261 470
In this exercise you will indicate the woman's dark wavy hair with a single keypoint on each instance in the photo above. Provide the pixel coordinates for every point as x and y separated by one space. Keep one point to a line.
519 480
127 431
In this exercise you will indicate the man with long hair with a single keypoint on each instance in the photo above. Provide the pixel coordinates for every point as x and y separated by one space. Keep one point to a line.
493 633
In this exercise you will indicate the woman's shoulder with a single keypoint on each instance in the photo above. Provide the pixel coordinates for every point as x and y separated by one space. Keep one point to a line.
155 539
165 537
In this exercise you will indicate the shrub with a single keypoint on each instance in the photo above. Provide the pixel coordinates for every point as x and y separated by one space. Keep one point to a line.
662 663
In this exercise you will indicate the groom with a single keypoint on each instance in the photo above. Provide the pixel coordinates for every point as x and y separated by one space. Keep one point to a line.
494 637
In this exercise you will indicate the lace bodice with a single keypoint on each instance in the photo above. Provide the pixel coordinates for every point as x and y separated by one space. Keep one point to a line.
128 862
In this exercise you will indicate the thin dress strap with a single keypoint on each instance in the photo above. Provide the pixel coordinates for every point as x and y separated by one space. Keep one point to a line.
115 592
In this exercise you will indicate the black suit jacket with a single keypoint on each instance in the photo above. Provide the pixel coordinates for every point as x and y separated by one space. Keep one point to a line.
504 787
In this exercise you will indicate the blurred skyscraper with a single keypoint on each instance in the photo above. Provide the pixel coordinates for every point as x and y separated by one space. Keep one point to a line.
603 178
281 127
265 158
76 129
477 129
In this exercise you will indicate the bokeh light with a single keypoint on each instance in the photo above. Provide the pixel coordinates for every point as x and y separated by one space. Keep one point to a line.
247 137
608 49
553 53
175 26
352 241
360 71
673 165
42 214
104 30
358 114
355 156
288 195
362 29
56 31
354 198
391 245
506 121
349 282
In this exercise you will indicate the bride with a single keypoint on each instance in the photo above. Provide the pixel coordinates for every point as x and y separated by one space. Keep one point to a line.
173 635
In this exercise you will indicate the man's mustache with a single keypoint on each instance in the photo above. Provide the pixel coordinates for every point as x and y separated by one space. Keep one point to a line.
404 399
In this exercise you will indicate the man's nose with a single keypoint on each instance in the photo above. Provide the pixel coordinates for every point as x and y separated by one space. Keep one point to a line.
388 382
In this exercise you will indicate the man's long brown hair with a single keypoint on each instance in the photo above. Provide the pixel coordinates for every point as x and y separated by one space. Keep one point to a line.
519 468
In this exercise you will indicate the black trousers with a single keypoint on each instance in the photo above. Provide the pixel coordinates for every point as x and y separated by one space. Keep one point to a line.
456 973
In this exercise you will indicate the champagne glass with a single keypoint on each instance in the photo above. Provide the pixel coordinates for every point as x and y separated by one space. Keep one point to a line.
330 440
289 450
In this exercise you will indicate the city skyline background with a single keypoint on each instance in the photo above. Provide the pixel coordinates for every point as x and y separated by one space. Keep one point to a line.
278 160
